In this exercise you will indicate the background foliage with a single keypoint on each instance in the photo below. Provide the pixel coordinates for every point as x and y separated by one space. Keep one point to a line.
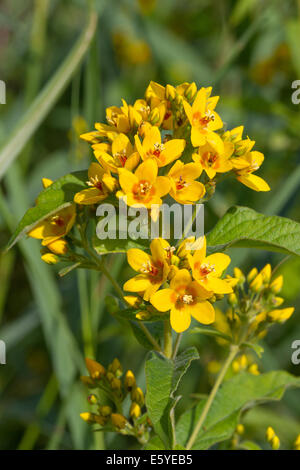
248 50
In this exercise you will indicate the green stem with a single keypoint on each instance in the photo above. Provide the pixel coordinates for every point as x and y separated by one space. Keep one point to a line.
233 352
176 346
167 339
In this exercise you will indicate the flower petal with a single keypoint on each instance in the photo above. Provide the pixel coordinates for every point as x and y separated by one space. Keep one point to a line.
180 319
162 300
137 258
254 182
203 312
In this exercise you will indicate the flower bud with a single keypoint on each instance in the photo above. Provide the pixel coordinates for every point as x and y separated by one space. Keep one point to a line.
266 273
88 417
240 429
281 315
253 369
238 273
154 116
191 91
118 420
115 367
276 285
137 396
92 399
129 381
135 410
105 410
50 258
46 182
170 92
59 247
232 299
252 274
116 384
257 283
95 369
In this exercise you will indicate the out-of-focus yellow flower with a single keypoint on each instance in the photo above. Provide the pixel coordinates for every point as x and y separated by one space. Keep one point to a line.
281 315
257 283
153 269
272 438
143 188
297 443
185 299
100 183
240 429
118 420
252 274
163 153
214 157
137 395
46 182
207 270
129 381
184 188
203 117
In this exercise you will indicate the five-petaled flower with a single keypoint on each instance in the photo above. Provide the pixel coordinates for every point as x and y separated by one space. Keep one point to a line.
184 298
207 270
100 183
184 188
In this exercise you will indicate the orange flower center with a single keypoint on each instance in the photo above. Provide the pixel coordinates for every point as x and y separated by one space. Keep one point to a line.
181 183
57 220
95 182
199 120
184 295
205 269
143 191
211 159
121 158
156 151
154 271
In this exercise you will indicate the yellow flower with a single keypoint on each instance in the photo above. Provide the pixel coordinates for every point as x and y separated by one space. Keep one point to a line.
153 269
129 381
241 146
100 182
185 299
297 443
207 270
143 188
249 163
54 227
202 117
50 258
184 188
281 315
152 147
214 157
122 154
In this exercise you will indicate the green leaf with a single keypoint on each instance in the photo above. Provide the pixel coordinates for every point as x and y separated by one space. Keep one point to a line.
155 443
57 196
209 331
162 378
249 445
242 391
244 227
108 246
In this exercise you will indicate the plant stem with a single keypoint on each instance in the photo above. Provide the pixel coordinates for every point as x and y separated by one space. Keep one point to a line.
233 352
176 346
167 339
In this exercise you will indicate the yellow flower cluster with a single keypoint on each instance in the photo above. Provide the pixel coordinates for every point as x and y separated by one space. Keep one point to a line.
163 144
190 280
254 302
272 438
116 387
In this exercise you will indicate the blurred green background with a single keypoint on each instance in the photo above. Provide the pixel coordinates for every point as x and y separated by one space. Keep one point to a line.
249 51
